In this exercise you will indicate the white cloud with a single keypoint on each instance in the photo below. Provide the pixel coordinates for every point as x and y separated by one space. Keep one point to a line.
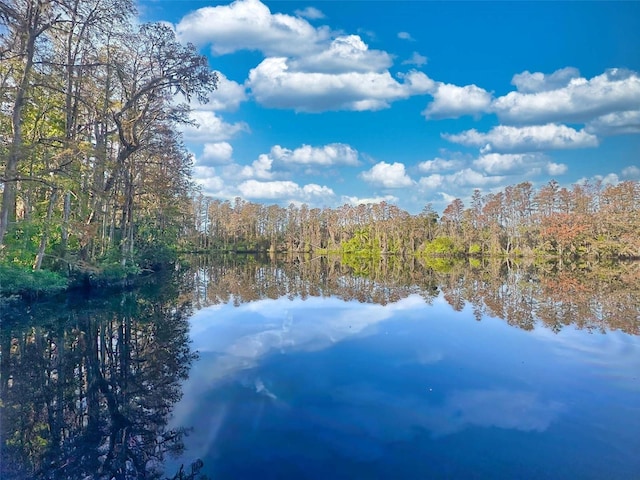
447 198
311 13
465 179
250 25
496 163
631 172
327 155
260 168
527 82
216 153
274 84
472 178
438 165
581 100
522 139
513 163
206 178
355 201
387 175
283 189
346 53
609 179
556 168
431 182
615 123
452 101
211 127
313 190
416 59
227 97
405 36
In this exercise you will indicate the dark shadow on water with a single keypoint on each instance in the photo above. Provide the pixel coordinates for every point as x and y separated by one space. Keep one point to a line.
88 384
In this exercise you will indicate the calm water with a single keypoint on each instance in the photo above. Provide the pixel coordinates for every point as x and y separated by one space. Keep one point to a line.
322 370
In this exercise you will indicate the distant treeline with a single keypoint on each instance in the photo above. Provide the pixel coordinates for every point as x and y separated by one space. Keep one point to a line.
591 220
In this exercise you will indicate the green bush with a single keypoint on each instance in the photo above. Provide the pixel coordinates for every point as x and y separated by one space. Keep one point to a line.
17 280
441 247
475 249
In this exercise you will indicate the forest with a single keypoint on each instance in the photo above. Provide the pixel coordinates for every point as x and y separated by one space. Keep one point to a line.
586 220
96 180
93 168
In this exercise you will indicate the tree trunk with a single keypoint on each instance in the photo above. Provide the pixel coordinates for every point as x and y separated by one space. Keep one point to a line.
45 231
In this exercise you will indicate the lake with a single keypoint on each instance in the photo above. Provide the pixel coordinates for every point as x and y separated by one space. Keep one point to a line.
313 368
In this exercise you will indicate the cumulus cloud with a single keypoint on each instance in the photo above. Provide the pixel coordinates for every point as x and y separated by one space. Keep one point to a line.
439 165
250 25
387 175
260 168
306 68
512 163
227 97
207 179
210 127
580 100
472 178
327 155
462 178
497 163
346 53
452 101
283 189
527 82
311 13
355 201
525 139
617 123
216 153
631 172
555 169
274 85
431 182
416 59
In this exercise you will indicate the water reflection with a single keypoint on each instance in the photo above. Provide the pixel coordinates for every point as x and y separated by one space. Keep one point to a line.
88 384
323 369
316 368
592 297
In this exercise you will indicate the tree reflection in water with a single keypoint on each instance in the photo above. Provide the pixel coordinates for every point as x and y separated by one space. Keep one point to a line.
88 385
595 297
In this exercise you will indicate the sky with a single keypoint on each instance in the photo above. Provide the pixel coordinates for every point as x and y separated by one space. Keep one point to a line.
411 102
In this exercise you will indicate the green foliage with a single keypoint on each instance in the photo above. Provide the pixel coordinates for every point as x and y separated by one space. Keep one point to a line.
21 244
475 249
155 256
439 264
18 280
441 247
475 263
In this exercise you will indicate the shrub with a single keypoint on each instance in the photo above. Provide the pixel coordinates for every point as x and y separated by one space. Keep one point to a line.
23 281
441 247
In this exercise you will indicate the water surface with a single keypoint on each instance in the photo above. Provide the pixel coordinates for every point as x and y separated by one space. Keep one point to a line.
312 368
349 377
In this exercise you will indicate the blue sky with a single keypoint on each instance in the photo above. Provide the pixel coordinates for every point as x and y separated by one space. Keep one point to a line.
414 102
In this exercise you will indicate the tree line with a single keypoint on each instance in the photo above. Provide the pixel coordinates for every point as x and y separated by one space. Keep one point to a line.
589 219
93 168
